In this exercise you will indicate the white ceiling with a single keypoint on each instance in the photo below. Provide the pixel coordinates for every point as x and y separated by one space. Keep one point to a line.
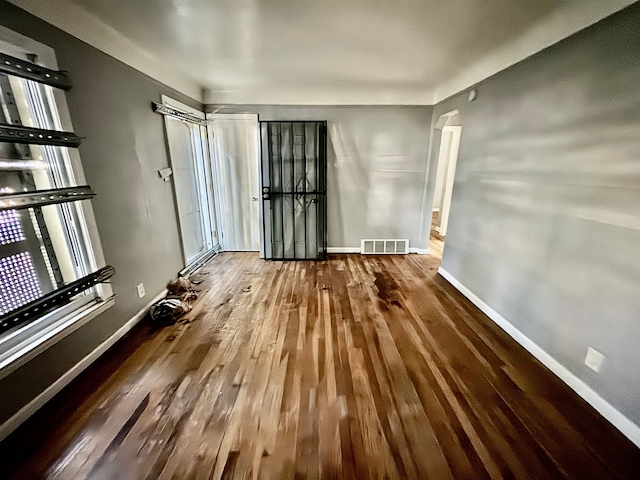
321 51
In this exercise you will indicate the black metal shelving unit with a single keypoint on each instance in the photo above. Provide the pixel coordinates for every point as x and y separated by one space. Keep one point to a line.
13 139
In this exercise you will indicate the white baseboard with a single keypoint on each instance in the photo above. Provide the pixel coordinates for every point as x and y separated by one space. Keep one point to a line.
343 249
608 411
419 251
34 405
241 250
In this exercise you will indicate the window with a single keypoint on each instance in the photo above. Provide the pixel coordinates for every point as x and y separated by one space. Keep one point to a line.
49 249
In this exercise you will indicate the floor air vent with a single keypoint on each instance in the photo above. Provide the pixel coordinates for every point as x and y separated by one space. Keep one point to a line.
384 246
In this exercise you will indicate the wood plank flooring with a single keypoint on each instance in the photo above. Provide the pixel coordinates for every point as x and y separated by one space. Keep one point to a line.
357 367
436 241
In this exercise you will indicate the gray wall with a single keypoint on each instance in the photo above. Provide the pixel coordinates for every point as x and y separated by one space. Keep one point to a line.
376 170
110 105
545 217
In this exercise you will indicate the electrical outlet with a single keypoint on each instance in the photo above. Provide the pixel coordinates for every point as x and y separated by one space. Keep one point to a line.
594 360
140 289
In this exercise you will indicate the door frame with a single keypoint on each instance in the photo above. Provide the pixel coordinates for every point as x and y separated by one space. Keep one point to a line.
236 116
451 161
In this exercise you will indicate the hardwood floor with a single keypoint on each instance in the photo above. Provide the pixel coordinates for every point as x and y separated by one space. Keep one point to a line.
357 367
436 241
436 244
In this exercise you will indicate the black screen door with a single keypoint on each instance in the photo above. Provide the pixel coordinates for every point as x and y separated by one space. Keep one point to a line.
294 190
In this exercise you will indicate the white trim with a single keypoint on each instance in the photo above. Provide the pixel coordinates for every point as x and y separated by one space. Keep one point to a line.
445 173
343 249
419 251
241 250
34 405
608 411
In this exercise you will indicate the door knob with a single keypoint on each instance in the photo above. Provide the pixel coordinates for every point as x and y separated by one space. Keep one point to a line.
254 199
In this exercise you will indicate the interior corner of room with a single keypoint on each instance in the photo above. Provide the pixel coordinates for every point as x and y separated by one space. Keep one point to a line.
513 178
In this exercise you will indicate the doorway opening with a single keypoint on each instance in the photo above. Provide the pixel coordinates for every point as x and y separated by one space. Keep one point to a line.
449 130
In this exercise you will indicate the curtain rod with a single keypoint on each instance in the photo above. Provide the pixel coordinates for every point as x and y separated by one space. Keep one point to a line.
172 112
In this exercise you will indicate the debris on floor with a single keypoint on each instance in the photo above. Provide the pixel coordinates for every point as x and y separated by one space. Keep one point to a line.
178 301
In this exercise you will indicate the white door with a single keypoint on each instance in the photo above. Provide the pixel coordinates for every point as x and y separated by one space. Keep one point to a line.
192 183
235 141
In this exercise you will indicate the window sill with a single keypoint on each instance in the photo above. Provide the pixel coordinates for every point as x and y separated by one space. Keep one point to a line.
46 336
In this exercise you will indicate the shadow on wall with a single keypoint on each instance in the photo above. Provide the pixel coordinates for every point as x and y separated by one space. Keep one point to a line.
347 176
376 179
546 229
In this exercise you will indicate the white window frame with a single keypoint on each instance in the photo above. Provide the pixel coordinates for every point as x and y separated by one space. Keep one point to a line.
19 346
